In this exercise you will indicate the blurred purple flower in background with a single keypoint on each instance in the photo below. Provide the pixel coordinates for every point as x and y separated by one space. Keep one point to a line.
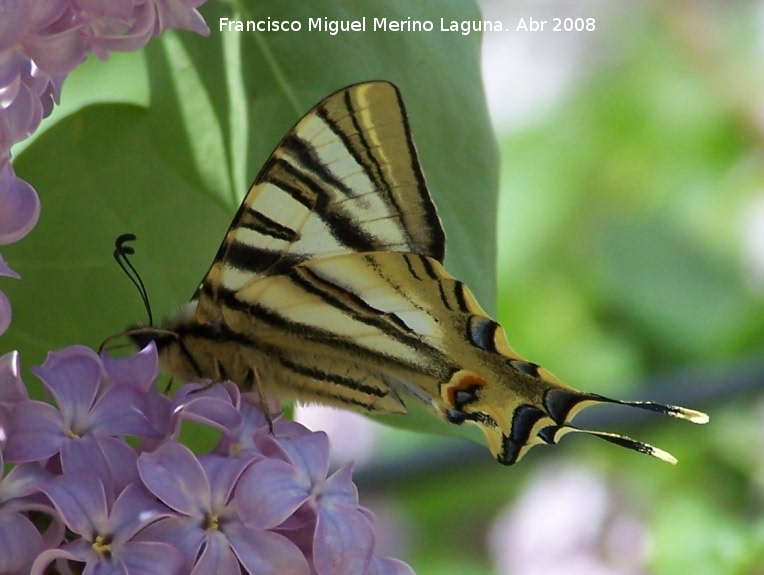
41 42
568 520
262 502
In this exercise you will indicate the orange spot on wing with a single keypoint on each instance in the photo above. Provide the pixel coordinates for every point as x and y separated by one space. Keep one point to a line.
462 381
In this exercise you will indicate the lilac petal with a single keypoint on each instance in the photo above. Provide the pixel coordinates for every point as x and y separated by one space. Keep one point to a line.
12 388
123 462
238 440
184 534
71 553
5 271
215 413
175 476
14 23
134 38
166 425
22 117
54 534
72 375
109 8
340 487
50 94
269 492
266 553
84 457
271 444
56 53
123 410
176 14
46 13
193 391
12 66
310 453
5 313
222 473
138 370
252 417
149 558
20 543
344 541
134 509
24 479
80 501
21 206
36 432
217 557
387 566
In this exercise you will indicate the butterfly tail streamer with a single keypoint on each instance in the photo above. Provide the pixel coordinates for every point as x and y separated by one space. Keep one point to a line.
552 435
685 413
574 402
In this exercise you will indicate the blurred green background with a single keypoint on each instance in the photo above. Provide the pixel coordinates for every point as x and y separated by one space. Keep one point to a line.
630 254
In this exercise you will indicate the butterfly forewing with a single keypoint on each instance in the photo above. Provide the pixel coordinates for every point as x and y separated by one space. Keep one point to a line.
345 179
329 287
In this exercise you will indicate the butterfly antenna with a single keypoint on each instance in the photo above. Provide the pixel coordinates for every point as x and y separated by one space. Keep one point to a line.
122 251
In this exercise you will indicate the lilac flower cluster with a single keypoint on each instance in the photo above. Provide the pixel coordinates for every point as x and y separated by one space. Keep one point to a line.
262 501
41 42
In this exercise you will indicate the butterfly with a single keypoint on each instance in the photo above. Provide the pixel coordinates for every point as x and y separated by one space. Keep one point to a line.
329 287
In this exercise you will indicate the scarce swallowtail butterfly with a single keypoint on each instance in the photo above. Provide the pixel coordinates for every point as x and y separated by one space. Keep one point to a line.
329 287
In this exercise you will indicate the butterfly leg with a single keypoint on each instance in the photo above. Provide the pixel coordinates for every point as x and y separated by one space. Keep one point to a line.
168 387
220 377
253 381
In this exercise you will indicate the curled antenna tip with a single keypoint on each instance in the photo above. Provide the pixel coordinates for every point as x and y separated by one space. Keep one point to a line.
694 416
121 253
686 413
660 454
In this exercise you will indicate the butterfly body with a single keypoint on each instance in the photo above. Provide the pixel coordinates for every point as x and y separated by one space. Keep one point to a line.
329 287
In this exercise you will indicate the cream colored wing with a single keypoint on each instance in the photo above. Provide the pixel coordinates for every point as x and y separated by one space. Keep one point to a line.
345 179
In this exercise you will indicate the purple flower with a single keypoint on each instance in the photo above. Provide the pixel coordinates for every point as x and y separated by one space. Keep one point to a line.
296 469
216 405
259 503
12 391
208 530
240 440
107 529
21 208
20 541
590 533
181 14
89 404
